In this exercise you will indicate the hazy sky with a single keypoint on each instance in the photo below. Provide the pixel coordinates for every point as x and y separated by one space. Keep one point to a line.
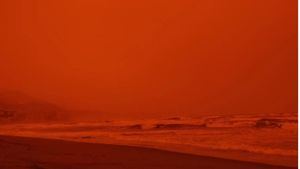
152 57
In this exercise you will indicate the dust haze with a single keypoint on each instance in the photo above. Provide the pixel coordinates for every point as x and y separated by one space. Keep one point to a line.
151 59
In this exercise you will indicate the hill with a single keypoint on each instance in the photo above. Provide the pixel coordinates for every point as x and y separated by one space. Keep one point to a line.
16 107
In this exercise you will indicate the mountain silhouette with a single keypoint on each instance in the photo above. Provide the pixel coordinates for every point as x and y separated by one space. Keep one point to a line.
19 107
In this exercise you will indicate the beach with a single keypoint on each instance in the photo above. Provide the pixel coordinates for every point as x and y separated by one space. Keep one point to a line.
37 153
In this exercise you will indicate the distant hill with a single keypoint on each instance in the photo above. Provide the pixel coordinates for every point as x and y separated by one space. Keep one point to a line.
18 107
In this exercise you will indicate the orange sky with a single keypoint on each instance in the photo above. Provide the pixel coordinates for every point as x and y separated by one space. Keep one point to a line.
153 57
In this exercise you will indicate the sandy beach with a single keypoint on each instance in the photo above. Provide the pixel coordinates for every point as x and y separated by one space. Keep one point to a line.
36 153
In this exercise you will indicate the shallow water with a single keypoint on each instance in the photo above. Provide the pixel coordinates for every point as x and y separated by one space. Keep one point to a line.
271 134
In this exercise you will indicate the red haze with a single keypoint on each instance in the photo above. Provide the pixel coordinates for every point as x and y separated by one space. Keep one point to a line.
153 57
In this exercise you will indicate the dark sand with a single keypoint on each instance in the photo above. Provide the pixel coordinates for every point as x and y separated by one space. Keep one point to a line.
35 153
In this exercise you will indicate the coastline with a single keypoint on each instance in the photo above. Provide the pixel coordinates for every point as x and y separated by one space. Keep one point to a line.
26 152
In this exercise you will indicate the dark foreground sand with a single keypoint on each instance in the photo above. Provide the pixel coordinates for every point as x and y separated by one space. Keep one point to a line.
34 153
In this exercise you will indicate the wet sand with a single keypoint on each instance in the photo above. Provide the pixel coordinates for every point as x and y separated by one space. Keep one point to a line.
36 153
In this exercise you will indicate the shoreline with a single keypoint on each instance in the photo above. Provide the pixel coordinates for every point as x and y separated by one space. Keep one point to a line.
19 152
239 155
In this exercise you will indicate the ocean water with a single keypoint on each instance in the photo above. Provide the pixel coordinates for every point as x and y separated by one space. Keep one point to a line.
260 136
